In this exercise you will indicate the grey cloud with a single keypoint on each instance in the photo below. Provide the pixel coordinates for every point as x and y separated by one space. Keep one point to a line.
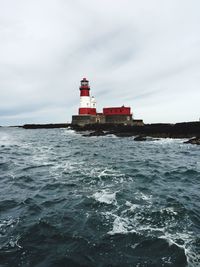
144 54
143 95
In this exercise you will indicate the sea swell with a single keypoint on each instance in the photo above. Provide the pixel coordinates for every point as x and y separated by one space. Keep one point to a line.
67 200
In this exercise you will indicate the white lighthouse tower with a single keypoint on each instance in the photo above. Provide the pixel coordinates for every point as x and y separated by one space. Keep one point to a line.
87 104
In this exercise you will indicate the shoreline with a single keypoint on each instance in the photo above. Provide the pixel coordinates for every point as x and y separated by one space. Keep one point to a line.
182 130
155 130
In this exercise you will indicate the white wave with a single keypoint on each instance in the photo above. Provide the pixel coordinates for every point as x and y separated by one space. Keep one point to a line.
169 210
134 245
170 140
107 172
150 229
67 131
6 226
110 136
105 196
67 166
9 222
14 242
193 257
120 226
101 172
132 207
124 225
140 195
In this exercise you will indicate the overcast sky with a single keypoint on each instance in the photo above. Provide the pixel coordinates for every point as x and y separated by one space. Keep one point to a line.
144 54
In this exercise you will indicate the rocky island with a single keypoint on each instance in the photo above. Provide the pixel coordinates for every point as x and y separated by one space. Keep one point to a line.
157 130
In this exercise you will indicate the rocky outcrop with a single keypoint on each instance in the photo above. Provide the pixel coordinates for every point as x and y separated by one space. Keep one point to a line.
122 134
158 130
46 126
95 133
193 141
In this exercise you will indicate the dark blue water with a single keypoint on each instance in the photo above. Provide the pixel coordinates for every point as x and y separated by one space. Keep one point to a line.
69 200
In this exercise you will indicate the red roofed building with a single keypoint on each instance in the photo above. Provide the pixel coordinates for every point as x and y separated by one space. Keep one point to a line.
87 113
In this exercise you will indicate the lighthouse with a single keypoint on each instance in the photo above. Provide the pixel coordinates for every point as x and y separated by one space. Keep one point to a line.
87 103
87 113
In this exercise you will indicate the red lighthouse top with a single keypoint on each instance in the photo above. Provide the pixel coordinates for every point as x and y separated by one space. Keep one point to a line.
84 88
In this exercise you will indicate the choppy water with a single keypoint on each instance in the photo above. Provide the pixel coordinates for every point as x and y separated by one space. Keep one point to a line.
68 200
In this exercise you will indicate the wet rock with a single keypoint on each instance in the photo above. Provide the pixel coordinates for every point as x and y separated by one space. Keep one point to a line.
95 133
193 141
140 138
155 130
46 126
123 134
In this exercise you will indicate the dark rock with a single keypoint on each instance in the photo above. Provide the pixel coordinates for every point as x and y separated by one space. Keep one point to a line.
140 138
46 126
123 134
193 141
96 133
156 130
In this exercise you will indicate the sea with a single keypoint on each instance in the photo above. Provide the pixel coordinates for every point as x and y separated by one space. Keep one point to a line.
75 201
